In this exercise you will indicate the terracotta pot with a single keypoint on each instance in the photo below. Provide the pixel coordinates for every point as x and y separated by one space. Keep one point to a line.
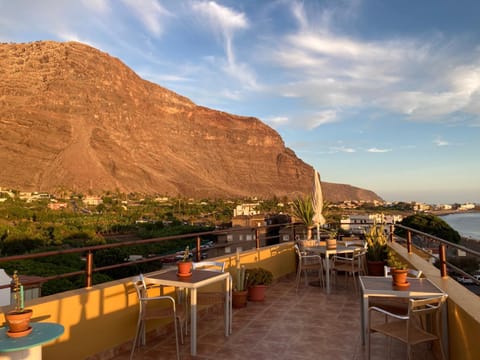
376 268
399 276
256 293
184 268
239 299
331 244
18 321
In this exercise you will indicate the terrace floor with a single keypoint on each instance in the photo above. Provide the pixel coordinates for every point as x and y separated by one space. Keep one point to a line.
302 325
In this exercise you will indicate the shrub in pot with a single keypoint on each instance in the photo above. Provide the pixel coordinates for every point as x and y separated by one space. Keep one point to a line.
398 270
257 279
377 249
239 293
18 319
184 266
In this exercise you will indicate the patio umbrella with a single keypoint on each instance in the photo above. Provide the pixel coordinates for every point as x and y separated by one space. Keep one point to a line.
317 200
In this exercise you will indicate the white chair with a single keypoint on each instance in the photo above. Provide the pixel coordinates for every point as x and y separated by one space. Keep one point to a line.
422 323
308 263
164 308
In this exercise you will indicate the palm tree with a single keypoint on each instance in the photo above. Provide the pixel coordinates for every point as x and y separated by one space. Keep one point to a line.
303 211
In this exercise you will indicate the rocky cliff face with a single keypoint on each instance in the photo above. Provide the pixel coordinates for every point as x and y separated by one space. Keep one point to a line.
75 118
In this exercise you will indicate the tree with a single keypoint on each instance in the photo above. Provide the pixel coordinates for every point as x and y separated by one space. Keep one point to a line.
430 224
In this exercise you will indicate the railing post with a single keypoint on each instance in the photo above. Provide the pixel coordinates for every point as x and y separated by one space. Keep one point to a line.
442 252
257 239
198 255
89 269
409 241
392 229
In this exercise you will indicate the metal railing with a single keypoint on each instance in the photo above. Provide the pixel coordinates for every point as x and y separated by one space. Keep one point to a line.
261 235
442 244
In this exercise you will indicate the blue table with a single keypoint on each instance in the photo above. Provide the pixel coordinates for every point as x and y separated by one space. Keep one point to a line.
30 346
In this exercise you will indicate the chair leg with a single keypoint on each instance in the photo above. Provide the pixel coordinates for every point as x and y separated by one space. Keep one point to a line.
135 339
176 336
181 329
297 280
368 344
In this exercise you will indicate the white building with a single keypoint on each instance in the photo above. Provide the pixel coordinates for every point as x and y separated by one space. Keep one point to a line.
357 224
246 209
467 206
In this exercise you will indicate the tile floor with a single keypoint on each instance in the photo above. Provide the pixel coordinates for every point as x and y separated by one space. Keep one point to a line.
302 325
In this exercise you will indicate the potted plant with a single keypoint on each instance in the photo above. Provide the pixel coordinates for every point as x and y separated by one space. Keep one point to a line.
257 279
184 266
332 240
398 270
239 293
377 249
18 319
303 211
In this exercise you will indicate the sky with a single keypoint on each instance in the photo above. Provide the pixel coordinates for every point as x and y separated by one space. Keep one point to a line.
382 95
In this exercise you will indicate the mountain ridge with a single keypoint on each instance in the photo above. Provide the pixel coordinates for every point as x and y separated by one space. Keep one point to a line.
74 117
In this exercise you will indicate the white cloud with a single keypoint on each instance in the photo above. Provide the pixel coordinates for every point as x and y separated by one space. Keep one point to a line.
343 149
277 120
98 6
220 17
377 150
150 13
426 80
224 22
440 142
322 118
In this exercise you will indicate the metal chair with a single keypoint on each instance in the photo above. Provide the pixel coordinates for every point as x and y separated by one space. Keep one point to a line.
420 324
398 306
354 265
308 263
165 309
411 272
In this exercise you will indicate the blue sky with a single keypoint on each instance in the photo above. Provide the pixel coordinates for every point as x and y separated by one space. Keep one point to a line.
383 95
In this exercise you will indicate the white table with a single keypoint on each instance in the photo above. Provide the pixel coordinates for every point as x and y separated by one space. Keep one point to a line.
380 286
198 279
322 250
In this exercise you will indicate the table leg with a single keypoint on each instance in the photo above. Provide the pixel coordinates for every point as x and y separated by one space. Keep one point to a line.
364 317
327 265
34 353
193 321
227 307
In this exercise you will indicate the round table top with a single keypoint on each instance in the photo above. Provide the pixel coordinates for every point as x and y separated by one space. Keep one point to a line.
42 332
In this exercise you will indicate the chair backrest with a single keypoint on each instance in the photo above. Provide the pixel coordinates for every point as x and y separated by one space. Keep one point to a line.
210 266
411 272
360 257
299 254
140 286
425 306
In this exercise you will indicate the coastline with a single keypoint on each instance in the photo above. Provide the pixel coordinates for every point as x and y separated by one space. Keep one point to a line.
451 212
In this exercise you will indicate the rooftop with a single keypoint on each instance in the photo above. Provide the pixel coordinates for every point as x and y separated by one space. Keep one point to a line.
288 325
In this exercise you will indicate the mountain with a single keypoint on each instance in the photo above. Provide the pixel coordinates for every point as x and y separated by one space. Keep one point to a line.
75 118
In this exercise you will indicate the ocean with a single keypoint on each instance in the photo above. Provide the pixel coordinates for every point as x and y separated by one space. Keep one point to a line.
467 224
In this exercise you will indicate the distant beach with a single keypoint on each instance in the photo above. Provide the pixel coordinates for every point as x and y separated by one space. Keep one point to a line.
466 223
